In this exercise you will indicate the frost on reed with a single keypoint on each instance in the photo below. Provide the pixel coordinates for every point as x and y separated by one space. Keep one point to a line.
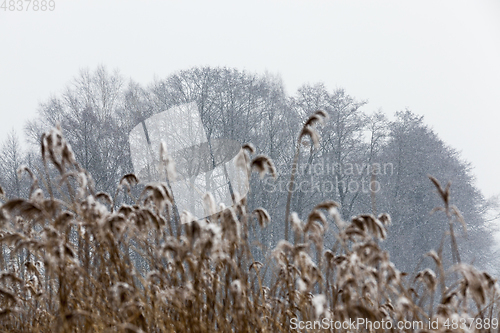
73 260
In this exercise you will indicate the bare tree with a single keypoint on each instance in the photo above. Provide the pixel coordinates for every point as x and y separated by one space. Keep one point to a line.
89 112
12 157
344 152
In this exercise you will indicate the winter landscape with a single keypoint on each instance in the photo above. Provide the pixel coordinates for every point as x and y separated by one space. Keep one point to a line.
217 196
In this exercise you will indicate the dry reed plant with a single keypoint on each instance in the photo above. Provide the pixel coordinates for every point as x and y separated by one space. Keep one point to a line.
73 260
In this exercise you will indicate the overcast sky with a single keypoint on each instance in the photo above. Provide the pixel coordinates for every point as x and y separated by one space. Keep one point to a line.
440 59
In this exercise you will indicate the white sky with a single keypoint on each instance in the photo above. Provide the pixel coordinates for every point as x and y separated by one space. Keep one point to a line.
441 59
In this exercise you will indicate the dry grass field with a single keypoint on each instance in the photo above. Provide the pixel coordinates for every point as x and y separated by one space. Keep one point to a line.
73 260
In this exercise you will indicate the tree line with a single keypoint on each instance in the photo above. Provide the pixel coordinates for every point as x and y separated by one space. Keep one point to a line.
364 161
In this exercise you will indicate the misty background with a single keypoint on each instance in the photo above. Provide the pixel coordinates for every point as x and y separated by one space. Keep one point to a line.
437 60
